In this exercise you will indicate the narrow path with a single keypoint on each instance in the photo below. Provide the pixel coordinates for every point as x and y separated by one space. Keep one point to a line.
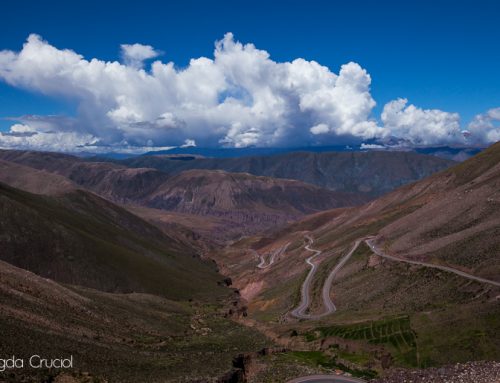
262 264
276 253
380 253
299 312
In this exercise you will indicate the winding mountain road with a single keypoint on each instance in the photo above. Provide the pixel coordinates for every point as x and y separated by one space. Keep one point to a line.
276 253
299 311
380 253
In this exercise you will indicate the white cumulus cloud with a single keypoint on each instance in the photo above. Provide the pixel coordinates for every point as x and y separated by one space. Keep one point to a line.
421 126
320 129
485 127
188 143
59 141
239 97
135 54
371 146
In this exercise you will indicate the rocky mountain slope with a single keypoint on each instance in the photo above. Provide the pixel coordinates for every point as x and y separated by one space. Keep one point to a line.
369 173
218 192
233 204
239 203
115 182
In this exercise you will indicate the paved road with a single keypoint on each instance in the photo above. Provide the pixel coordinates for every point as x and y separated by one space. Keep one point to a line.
380 253
304 304
330 307
299 312
276 253
326 379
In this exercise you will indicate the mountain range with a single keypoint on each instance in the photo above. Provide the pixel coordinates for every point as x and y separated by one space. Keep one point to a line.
250 194
367 173
147 263
455 152
234 204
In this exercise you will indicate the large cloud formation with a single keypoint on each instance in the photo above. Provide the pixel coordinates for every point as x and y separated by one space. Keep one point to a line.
421 126
486 127
239 98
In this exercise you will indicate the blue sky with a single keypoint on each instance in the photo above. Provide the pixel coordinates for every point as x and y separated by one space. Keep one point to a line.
438 54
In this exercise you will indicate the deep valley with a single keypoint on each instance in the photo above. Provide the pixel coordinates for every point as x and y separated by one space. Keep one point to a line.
245 270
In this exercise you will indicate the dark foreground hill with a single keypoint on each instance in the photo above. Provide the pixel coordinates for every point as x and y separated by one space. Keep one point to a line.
122 338
83 277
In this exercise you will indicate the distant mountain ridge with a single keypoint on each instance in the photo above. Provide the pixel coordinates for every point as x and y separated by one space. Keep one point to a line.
241 203
457 153
218 192
369 173
116 182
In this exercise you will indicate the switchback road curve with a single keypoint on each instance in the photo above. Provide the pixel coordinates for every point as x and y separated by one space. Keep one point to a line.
299 312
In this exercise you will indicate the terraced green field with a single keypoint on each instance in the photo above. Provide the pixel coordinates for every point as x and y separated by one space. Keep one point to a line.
395 333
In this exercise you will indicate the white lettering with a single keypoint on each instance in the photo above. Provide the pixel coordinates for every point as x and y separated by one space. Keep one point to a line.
11 363
36 361
67 363
35 358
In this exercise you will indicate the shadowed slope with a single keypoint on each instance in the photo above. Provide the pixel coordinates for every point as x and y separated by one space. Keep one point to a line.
115 337
82 239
